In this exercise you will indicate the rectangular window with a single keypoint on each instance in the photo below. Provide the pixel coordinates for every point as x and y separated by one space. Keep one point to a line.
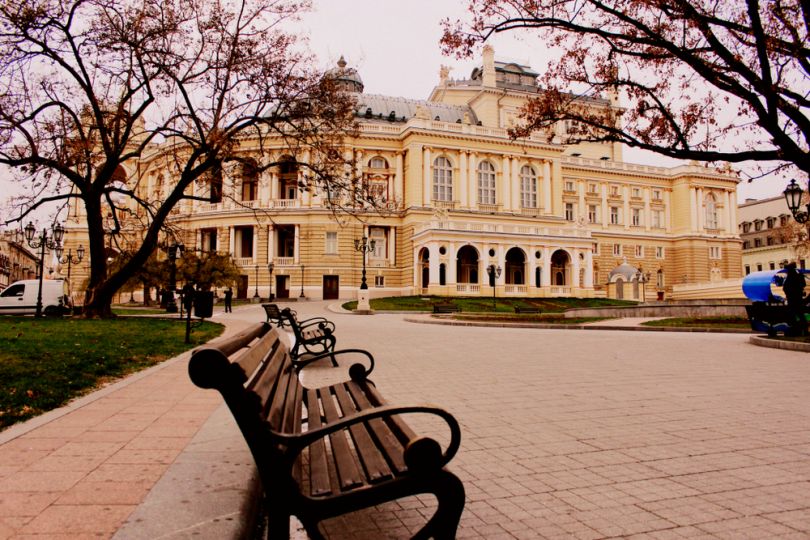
759 267
659 281
714 252
596 249
569 211
657 219
636 193
569 185
331 243
656 194
442 180
591 188
528 192
757 242
379 235
614 191
614 215
208 240
772 266
636 217
379 281
593 216
659 252
747 269
639 252
617 250
244 241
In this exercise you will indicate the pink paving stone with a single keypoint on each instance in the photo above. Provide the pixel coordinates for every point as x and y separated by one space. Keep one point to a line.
25 504
26 481
79 519
107 492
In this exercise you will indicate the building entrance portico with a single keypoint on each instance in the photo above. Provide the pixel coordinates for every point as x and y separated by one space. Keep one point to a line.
451 259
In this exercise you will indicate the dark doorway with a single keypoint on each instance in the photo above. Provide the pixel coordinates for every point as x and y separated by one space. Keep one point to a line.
282 286
241 287
331 287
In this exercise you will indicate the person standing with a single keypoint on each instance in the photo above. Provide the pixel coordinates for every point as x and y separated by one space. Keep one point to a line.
793 286
228 300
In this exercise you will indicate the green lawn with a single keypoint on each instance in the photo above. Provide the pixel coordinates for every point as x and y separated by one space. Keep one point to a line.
44 363
551 318
484 304
703 322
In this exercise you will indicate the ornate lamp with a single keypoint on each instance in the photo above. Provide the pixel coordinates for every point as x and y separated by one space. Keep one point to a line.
793 197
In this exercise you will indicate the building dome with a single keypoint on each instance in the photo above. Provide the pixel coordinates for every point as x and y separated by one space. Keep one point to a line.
626 271
347 79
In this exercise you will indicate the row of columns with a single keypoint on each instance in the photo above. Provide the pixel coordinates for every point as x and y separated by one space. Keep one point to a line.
576 264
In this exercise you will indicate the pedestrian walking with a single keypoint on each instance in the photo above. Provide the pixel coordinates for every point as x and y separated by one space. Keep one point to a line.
228 300
793 286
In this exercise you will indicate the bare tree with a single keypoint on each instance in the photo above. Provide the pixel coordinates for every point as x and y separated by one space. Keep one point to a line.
89 87
703 80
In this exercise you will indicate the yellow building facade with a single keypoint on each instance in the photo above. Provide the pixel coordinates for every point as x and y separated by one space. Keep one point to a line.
462 196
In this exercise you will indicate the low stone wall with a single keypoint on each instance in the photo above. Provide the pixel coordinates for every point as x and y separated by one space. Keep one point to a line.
664 310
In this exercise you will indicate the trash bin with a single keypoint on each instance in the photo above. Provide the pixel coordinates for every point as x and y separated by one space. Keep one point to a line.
204 304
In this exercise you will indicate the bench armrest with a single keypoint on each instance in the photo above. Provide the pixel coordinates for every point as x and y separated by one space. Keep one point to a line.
358 373
418 455
320 322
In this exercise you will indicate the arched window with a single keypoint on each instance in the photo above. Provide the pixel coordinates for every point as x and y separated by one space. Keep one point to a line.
442 180
528 187
486 183
442 274
377 162
250 177
711 212
659 279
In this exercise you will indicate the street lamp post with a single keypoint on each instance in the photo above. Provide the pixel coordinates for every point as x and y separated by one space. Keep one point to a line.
43 242
174 251
270 268
364 246
69 259
302 283
643 278
494 273
793 197
256 274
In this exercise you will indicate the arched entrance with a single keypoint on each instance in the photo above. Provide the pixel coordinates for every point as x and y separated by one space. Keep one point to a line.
619 289
515 267
467 265
424 267
559 267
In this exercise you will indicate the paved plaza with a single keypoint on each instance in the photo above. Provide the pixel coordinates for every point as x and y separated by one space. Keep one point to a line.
565 434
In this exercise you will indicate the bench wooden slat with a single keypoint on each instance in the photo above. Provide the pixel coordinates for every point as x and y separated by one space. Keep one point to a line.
318 464
370 457
386 440
264 383
349 476
253 355
282 405
399 427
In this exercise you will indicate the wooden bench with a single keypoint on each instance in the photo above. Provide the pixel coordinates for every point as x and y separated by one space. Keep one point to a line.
312 336
446 308
274 315
529 309
769 318
323 452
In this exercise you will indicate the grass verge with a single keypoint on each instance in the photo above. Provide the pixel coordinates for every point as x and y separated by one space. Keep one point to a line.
484 304
543 319
702 322
44 363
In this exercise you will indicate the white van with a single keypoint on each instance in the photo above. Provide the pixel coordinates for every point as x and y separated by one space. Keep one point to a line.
20 298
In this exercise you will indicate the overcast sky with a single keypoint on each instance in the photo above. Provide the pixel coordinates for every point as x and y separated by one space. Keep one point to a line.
394 46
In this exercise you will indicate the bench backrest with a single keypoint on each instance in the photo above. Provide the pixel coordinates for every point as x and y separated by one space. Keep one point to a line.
272 311
255 375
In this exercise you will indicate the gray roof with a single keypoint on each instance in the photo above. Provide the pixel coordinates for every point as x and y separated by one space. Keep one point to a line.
403 109
624 270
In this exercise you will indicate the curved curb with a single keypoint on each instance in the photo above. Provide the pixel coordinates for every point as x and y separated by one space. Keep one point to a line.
774 343
546 326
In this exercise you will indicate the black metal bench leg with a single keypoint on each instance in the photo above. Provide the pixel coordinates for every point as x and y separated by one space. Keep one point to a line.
450 495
